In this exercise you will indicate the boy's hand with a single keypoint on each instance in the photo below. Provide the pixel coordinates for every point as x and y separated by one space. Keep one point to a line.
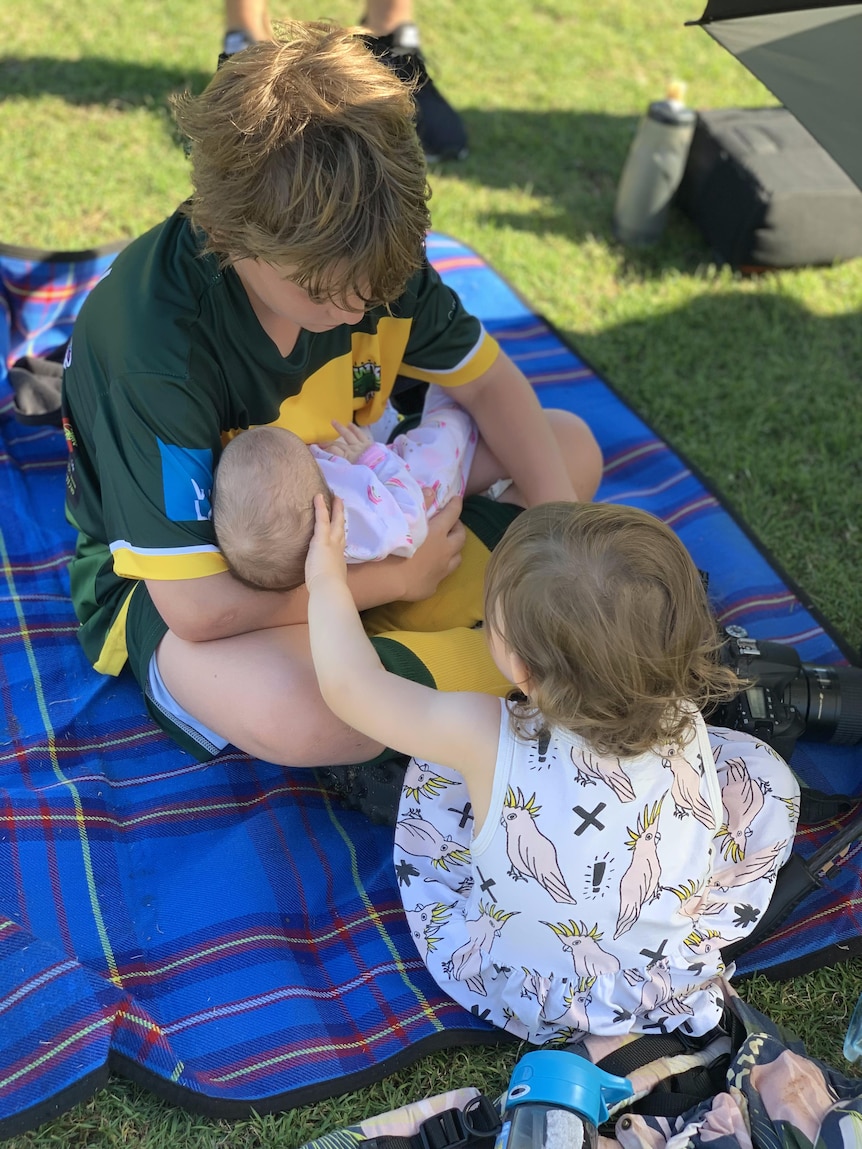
438 556
351 441
326 553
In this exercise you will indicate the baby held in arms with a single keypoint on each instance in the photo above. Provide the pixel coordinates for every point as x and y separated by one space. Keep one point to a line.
267 478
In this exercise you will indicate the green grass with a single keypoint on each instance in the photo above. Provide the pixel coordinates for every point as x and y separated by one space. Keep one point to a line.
756 381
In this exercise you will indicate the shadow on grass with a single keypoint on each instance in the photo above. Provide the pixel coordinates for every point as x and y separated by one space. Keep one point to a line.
96 80
762 396
569 159
572 160
756 367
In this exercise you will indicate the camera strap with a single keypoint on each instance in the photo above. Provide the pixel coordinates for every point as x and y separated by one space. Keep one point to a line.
818 806
472 1127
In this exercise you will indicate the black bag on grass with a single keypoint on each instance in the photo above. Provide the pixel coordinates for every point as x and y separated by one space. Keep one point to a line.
765 194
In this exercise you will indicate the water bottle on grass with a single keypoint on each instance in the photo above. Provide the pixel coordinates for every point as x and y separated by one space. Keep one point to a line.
654 168
557 1100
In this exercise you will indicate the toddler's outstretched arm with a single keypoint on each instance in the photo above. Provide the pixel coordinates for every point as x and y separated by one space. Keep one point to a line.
458 730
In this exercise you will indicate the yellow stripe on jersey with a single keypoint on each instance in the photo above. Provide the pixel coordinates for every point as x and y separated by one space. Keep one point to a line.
326 394
115 653
168 565
471 366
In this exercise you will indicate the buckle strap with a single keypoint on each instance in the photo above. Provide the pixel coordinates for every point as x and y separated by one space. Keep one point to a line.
451 1129
446 1130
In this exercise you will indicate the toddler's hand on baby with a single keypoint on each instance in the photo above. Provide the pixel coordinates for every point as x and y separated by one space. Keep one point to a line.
326 552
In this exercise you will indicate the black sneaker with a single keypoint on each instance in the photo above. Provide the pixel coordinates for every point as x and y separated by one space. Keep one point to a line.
440 129
234 41
374 789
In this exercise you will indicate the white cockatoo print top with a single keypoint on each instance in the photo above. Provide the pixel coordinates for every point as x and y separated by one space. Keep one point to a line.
600 891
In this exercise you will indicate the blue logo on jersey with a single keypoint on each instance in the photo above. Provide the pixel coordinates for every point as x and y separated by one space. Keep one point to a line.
187 479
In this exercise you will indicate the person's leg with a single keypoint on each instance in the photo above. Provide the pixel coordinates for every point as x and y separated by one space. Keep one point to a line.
382 17
577 444
259 692
394 38
245 22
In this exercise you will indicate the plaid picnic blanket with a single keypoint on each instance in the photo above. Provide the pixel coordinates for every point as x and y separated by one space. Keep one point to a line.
225 933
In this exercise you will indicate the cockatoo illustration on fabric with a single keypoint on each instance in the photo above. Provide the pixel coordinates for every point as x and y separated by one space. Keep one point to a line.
576 1017
657 995
589 959
513 1024
640 883
742 798
465 964
693 899
727 735
591 768
761 864
532 854
426 781
703 942
685 791
535 986
424 922
791 805
418 837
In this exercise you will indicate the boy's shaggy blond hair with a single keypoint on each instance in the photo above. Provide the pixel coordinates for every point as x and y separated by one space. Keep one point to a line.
608 612
305 155
263 511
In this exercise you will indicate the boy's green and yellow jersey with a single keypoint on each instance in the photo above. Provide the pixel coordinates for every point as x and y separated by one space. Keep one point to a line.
167 362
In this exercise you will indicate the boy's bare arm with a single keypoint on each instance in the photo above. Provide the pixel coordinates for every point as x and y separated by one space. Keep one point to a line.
512 423
218 606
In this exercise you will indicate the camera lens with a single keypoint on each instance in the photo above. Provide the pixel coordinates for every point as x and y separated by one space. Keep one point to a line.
829 699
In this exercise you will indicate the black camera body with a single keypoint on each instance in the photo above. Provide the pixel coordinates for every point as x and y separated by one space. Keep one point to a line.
788 699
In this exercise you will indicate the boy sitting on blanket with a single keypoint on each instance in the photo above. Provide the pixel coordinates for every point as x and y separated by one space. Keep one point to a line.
291 289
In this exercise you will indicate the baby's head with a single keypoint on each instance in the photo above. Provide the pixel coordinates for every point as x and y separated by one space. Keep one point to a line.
263 506
608 613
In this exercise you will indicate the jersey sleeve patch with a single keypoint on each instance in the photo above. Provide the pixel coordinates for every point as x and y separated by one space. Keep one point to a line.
187 480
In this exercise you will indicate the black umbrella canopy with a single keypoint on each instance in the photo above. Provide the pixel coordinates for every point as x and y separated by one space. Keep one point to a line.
809 55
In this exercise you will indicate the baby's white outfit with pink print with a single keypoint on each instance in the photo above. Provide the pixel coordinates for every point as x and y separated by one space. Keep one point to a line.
384 491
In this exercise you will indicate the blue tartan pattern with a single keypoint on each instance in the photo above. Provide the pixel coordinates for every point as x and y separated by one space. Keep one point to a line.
40 295
226 930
